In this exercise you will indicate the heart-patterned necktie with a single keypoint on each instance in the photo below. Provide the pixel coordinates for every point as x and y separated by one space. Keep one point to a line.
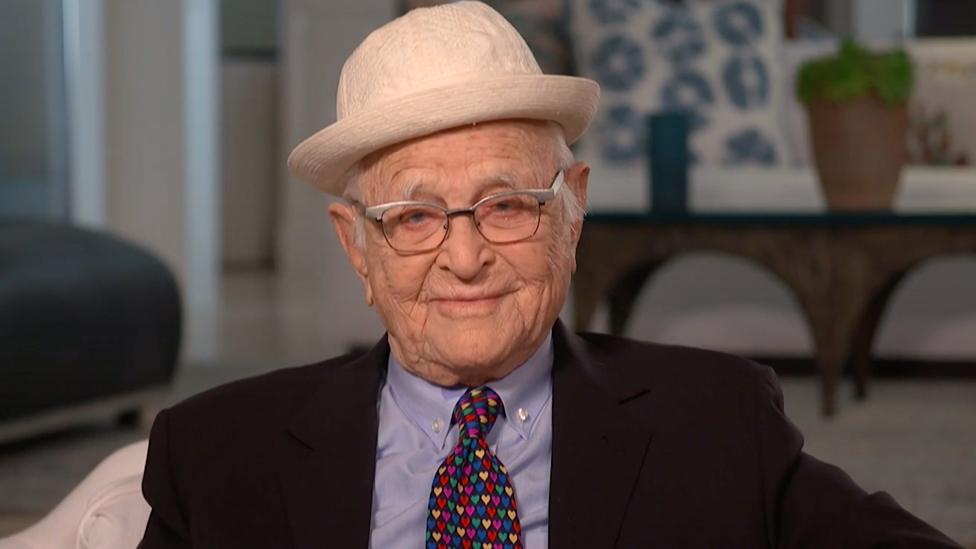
472 502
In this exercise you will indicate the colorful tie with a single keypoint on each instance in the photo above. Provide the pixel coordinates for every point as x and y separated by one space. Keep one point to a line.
472 503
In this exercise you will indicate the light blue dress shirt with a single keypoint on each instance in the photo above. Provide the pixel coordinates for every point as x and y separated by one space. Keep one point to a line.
415 435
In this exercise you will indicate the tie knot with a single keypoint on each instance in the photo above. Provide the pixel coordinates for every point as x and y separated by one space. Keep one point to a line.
476 411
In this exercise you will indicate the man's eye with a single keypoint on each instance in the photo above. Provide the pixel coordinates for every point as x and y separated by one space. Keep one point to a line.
416 217
508 206
505 205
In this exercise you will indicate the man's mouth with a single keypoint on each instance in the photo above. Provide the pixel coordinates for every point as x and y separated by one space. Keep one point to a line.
468 304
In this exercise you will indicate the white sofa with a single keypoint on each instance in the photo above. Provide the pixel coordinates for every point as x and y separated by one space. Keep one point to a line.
105 511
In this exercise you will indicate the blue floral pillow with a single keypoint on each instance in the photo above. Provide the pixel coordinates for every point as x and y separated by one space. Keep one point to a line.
718 60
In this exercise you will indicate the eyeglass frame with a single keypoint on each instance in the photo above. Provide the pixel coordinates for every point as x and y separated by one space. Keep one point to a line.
543 196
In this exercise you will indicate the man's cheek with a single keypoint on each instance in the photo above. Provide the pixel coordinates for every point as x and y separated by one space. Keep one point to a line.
401 283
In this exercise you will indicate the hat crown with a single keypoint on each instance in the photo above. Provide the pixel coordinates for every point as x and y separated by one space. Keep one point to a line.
430 47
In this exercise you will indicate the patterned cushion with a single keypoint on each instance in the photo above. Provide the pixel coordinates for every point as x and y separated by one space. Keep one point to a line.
716 59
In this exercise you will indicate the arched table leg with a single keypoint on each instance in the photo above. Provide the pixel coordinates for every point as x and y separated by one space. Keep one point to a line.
833 304
867 331
831 325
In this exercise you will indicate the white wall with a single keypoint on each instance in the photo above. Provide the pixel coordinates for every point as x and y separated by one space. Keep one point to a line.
144 127
160 142
250 160
324 300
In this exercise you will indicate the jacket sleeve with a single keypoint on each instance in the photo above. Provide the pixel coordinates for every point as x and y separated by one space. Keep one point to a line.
813 504
167 526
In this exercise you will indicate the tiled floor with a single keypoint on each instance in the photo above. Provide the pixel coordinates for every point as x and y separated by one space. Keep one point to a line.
914 439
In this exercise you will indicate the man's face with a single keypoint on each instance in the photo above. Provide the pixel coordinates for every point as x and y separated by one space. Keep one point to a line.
469 311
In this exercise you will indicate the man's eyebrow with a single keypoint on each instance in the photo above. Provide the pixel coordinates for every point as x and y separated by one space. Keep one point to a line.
416 189
410 190
506 178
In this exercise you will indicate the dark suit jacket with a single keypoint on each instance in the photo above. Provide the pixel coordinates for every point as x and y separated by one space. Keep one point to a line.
653 446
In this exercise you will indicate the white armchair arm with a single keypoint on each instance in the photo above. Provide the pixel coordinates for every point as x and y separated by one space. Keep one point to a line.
105 511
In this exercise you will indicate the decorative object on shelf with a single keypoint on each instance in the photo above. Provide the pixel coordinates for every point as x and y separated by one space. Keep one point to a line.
667 152
857 106
930 141
942 113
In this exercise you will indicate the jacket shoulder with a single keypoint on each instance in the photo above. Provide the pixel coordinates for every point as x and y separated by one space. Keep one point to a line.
669 364
707 389
252 403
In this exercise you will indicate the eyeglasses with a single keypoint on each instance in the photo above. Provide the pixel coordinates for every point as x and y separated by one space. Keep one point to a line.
504 218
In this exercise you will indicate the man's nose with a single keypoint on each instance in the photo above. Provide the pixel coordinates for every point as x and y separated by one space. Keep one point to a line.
465 252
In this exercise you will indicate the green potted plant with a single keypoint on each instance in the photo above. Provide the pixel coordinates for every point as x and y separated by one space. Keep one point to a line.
857 106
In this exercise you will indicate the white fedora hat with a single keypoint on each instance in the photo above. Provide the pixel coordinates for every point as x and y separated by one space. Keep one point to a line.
430 70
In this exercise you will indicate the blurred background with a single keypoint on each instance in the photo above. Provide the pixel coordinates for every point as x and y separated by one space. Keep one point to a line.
152 243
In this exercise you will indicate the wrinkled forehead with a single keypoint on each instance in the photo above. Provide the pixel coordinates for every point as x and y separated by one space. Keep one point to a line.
464 160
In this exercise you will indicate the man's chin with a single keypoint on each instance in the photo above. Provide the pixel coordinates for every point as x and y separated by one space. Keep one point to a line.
487 337
474 356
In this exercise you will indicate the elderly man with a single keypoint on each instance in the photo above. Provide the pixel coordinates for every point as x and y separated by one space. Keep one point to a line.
479 420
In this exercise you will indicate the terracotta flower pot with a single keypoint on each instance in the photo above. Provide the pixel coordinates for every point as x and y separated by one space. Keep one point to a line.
859 149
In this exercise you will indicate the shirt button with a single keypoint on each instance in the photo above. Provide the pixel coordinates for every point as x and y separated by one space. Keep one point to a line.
437 425
522 414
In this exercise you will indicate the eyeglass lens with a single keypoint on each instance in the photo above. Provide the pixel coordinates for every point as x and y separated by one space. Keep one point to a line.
503 219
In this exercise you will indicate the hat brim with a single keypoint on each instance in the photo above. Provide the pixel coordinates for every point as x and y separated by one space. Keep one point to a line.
323 159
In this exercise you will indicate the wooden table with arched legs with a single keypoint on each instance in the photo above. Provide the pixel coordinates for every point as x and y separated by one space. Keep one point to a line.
841 268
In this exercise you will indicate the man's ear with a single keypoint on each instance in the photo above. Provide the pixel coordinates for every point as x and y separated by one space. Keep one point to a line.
344 221
578 177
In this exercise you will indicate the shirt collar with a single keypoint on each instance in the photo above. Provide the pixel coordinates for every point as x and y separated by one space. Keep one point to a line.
524 392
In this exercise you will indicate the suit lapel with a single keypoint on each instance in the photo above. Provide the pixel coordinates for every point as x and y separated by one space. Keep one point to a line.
328 484
598 448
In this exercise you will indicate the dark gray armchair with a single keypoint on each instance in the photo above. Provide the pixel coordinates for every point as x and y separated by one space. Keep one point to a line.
89 324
